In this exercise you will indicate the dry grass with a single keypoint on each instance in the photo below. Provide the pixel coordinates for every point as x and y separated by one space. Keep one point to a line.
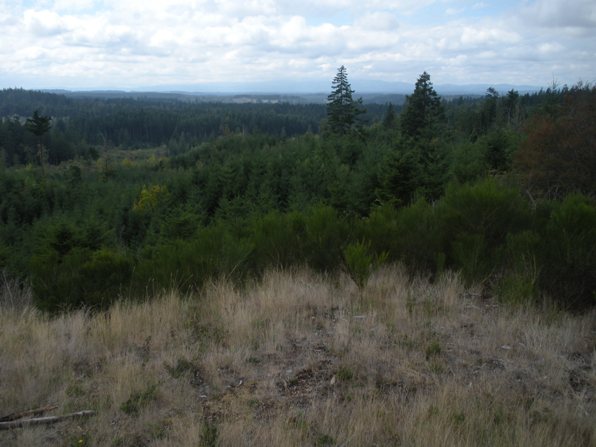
298 359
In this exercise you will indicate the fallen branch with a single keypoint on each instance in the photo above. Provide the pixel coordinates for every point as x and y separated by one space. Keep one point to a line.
44 420
22 414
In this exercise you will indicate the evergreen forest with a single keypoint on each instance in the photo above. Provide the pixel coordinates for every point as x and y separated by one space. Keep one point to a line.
108 198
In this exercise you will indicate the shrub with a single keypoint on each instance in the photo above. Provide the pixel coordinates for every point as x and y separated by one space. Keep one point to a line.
103 276
419 237
519 283
278 240
475 221
325 234
80 277
568 254
360 263
214 251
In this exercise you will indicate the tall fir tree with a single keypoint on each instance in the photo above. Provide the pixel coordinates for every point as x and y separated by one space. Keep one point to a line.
423 123
39 125
342 109
423 111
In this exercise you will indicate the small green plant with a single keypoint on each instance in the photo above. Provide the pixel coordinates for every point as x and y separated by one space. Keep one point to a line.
360 263
345 374
433 349
324 440
138 400
459 418
182 366
82 440
209 435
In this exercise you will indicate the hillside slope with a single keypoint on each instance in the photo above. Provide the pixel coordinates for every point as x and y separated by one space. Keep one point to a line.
299 359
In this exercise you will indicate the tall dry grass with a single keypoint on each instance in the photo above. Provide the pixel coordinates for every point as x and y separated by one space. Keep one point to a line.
300 359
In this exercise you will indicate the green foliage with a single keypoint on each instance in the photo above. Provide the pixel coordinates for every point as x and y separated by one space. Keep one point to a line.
209 435
432 349
278 240
214 251
420 237
558 157
476 220
182 367
468 162
423 112
400 177
345 374
38 124
324 237
324 440
568 253
342 110
519 283
138 400
103 276
238 189
360 263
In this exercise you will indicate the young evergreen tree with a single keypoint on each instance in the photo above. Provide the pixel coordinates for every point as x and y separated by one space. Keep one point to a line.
342 110
39 125
423 110
423 123
390 117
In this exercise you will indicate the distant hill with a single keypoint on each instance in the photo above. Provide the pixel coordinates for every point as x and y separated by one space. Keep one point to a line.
300 92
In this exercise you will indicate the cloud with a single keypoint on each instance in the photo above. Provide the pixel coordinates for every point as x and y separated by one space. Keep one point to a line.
43 23
115 43
562 13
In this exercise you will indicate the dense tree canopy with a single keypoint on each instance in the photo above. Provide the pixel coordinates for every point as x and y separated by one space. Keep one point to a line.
233 189
559 154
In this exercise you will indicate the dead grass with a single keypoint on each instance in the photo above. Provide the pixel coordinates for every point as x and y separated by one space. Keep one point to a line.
299 359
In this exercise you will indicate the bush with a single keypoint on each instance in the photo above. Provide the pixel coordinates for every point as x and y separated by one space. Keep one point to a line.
326 233
475 221
519 282
214 251
381 232
359 263
419 238
79 278
103 276
278 240
568 254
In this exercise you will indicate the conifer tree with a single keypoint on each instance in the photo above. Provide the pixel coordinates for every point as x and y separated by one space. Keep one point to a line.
342 110
390 117
423 122
39 125
423 111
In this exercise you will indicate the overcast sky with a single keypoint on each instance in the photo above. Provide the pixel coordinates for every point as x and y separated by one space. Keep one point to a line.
131 44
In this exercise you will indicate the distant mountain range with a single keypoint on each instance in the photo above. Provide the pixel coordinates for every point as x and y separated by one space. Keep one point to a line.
283 91
372 92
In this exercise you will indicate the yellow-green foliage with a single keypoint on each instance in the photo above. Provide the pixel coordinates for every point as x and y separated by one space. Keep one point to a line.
149 198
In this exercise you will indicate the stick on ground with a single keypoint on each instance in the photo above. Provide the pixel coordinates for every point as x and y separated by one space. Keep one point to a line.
44 420
22 414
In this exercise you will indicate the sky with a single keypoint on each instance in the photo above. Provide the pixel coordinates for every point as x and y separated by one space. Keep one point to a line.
153 44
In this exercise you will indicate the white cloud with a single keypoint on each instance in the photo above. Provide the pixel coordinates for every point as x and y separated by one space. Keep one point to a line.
380 21
115 43
43 23
562 13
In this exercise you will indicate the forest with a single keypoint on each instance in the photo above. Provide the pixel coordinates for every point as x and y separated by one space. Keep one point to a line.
108 198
